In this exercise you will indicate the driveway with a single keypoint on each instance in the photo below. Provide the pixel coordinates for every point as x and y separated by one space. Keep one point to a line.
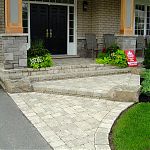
16 131
69 122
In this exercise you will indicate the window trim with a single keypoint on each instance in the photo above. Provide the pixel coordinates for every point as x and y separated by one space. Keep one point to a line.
145 18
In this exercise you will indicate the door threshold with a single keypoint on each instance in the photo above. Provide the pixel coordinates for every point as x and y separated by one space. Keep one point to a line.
64 56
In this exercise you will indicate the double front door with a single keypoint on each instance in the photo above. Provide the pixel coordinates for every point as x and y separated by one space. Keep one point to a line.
49 24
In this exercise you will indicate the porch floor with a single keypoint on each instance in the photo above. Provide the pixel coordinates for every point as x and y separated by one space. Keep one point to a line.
61 61
72 61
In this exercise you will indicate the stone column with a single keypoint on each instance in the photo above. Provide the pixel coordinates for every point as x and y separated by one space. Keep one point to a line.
126 39
13 42
13 16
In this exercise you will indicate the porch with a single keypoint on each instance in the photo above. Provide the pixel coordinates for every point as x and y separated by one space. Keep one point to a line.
90 16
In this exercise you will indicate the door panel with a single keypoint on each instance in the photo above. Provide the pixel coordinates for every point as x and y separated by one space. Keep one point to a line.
58 29
49 23
39 21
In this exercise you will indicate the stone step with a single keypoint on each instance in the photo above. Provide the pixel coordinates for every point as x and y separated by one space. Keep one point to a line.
78 73
122 87
54 70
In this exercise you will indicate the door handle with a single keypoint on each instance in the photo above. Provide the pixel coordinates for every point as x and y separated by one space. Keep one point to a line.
51 33
47 34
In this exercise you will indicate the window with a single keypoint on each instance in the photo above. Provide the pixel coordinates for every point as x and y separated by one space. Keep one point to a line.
25 17
71 24
142 19
54 1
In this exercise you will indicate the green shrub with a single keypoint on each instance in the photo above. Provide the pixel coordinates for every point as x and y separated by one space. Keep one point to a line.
117 58
102 55
37 49
104 60
147 57
145 89
37 44
145 85
112 49
37 52
38 56
40 61
145 74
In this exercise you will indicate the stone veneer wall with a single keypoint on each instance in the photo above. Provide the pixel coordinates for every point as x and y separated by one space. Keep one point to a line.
1 53
102 17
126 42
14 51
2 20
2 29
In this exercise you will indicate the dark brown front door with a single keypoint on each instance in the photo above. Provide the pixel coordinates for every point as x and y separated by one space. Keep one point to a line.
49 23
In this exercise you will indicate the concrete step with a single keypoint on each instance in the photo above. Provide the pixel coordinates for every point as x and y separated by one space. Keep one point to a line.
78 73
122 87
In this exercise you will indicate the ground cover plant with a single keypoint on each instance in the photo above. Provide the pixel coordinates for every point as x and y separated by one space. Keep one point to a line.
132 129
114 56
38 56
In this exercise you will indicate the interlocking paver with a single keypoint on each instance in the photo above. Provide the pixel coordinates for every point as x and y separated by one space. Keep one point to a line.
69 122
96 87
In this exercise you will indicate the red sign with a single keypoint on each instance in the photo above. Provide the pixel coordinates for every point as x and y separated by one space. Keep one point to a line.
131 58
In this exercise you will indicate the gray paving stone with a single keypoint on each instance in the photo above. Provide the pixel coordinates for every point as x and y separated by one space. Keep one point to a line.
122 87
70 122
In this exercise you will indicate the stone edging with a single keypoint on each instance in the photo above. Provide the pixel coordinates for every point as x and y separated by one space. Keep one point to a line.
102 136
110 133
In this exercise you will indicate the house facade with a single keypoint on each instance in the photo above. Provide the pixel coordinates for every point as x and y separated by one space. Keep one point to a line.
62 24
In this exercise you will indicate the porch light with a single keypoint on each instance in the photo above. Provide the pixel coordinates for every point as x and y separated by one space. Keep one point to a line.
85 5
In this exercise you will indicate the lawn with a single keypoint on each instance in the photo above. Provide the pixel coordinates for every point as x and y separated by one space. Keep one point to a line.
132 129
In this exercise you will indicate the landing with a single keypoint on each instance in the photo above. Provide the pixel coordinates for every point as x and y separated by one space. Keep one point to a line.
72 61
90 87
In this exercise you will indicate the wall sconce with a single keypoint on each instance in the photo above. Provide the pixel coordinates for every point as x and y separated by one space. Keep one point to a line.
85 5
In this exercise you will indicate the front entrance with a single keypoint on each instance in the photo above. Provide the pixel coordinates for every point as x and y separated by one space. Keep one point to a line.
49 24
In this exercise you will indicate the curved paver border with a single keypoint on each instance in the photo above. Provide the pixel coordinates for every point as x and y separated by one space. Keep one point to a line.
101 141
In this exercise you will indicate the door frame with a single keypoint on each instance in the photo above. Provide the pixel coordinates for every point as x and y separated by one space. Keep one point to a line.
71 47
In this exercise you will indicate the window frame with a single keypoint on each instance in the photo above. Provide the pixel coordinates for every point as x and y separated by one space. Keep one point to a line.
145 19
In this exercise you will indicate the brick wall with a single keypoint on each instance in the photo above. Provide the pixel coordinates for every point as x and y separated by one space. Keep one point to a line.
106 17
84 19
2 16
102 17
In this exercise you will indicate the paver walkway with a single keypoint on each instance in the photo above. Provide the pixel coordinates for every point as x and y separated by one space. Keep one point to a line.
69 122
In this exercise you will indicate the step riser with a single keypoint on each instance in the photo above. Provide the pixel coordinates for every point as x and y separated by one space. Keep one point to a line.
76 75
114 94
72 93
52 71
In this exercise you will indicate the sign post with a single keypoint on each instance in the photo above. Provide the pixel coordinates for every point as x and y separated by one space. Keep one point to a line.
131 58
